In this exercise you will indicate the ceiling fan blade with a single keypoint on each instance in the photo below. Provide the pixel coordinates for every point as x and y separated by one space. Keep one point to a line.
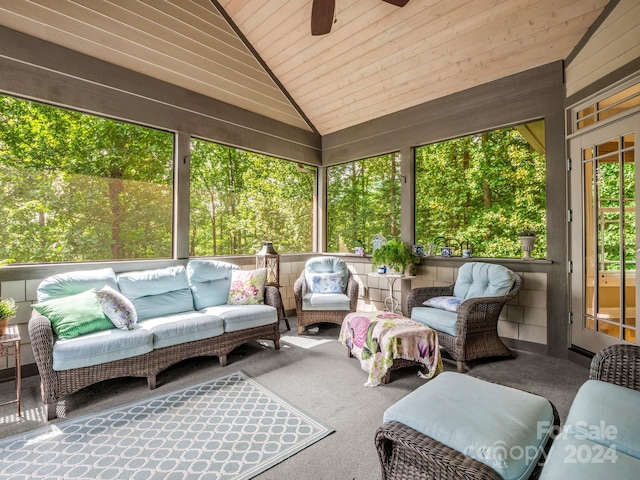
397 3
322 16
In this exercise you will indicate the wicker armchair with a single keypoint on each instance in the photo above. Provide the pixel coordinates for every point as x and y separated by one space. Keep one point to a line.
617 364
329 307
476 325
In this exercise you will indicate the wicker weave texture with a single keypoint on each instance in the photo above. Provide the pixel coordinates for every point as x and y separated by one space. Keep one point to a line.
617 364
477 323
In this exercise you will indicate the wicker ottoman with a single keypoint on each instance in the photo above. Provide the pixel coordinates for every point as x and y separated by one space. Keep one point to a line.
460 427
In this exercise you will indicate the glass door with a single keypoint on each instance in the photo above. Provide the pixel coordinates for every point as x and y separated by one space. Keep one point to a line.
604 238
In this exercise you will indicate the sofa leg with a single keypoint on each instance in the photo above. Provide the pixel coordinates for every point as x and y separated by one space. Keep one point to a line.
276 344
461 368
300 329
151 381
223 360
51 410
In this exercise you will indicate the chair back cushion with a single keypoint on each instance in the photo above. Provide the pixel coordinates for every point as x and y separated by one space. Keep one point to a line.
477 279
317 274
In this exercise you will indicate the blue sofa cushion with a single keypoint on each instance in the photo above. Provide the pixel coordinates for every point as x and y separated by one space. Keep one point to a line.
606 414
72 283
491 423
183 327
436 318
240 317
155 293
101 347
477 279
210 281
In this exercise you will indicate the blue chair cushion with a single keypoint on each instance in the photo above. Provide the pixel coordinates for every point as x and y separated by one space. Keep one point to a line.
502 427
155 293
618 405
436 318
477 279
325 265
326 301
579 458
210 282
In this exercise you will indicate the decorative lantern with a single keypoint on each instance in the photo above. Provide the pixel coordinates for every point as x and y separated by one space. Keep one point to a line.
270 259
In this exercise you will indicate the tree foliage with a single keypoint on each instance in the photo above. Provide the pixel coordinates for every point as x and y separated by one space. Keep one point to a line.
77 187
363 199
481 190
241 199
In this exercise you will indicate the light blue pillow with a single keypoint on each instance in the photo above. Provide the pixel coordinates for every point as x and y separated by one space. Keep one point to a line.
449 304
326 282
117 307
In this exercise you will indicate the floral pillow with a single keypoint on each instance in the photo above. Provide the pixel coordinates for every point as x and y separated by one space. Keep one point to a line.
326 282
117 307
450 304
247 287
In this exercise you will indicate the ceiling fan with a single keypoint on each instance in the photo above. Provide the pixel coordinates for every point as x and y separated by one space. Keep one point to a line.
322 13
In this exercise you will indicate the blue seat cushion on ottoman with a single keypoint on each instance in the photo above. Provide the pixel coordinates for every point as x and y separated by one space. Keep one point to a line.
502 427
436 318
619 405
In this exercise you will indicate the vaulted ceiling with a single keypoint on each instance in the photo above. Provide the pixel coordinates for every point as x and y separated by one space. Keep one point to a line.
377 59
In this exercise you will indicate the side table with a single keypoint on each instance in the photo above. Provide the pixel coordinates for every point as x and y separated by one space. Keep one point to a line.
10 345
282 310
390 303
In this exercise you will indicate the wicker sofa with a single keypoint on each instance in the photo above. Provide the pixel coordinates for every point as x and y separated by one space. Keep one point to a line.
182 312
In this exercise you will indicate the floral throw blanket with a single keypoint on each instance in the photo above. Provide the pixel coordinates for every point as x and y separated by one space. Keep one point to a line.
377 338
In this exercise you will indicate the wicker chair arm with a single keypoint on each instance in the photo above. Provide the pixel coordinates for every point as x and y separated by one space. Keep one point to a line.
617 364
418 296
272 297
41 337
418 456
352 291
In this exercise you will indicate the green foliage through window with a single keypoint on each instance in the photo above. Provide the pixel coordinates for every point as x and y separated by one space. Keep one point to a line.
77 187
241 199
482 190
363 201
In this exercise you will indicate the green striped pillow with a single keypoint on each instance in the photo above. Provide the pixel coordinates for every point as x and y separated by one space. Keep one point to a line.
74 315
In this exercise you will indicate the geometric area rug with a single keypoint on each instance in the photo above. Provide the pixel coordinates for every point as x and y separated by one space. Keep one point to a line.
227 428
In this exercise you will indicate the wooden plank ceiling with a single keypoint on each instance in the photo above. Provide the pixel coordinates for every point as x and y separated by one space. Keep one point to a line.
377 59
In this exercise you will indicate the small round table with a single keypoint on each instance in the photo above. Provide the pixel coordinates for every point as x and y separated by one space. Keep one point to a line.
390 303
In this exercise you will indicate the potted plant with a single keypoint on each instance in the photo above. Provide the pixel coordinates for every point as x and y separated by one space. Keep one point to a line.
8 310
527 238
396 255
